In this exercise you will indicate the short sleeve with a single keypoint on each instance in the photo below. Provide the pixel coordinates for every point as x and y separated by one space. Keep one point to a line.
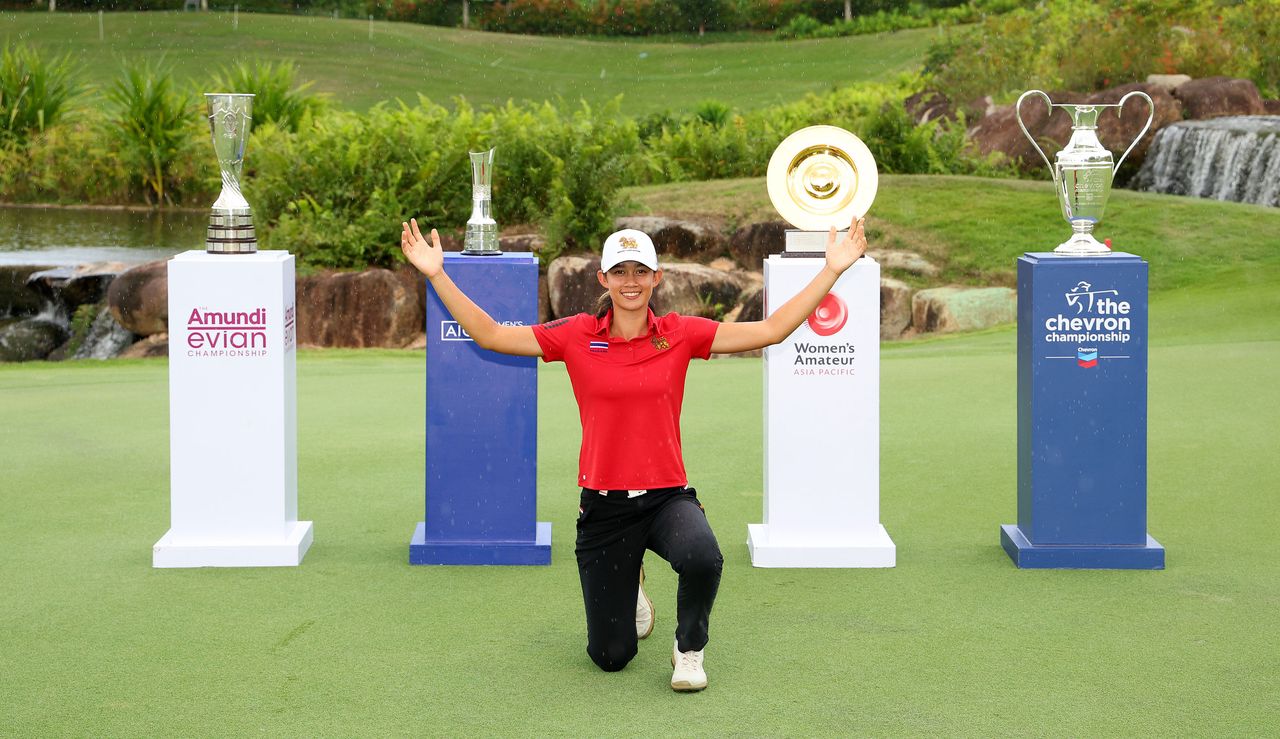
700 333
553 336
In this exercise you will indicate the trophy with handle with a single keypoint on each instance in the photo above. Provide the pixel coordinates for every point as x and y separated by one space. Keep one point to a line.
1082 171
231 220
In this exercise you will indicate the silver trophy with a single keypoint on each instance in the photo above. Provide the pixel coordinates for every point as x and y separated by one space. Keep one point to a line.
1083 171
482 230
231 221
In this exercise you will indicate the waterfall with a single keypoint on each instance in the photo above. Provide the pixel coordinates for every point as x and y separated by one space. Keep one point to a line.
1235 158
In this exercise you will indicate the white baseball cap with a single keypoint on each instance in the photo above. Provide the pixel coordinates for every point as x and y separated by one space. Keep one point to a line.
628 245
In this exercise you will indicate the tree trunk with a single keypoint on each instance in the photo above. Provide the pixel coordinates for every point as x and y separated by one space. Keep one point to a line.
848 10
466 14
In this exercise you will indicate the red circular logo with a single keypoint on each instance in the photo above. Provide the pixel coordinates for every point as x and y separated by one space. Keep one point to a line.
829 317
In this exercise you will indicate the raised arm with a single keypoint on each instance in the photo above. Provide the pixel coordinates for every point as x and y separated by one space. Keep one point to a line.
428 257
751 335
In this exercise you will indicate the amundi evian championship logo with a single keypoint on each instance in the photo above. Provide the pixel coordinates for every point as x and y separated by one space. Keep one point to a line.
220 333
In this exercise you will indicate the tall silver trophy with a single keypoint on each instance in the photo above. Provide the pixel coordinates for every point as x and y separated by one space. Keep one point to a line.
482 230
1082 171
231 221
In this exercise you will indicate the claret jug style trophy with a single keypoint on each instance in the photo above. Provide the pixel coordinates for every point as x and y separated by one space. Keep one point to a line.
1082 171
231 221
822 383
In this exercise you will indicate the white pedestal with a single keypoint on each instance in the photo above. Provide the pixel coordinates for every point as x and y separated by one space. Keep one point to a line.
822 426
233 432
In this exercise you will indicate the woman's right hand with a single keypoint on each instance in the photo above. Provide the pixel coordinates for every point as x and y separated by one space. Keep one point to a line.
427 257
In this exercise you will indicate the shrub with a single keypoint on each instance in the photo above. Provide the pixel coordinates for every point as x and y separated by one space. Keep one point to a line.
154 128
34 92
276 99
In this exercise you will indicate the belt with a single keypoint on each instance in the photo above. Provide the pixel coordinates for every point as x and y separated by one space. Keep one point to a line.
630 493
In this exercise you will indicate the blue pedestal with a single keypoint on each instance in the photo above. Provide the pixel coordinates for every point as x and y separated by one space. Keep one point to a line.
482 422
1082 415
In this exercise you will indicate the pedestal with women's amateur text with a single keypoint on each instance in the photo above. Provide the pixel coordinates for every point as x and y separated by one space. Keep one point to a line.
822 426
482 425
233 430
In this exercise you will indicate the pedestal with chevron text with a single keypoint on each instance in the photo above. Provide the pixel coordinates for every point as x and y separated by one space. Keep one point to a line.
1082 415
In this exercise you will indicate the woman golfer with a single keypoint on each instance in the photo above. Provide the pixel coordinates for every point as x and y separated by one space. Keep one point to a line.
628 368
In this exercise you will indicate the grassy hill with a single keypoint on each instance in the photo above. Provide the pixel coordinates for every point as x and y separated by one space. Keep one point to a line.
402 59
973 228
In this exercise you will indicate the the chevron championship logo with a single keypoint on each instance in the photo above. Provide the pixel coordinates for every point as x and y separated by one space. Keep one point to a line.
1091 316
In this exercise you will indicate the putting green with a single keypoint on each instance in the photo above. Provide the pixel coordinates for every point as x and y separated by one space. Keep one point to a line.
954 640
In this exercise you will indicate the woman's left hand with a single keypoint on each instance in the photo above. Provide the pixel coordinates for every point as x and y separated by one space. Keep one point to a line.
840 256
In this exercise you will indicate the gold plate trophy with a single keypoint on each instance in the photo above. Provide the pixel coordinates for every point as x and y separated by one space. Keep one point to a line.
819 177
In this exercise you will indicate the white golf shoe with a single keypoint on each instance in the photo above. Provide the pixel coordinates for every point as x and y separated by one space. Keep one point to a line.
688 675
644 611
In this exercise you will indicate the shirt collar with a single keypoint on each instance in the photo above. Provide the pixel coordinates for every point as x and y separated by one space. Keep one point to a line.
604 322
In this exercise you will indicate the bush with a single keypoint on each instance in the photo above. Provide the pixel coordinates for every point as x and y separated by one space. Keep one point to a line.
276 99
1083 47
153 126
34 92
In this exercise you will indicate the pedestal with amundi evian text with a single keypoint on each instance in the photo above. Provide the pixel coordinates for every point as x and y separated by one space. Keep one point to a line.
1082 415
233 451
822 425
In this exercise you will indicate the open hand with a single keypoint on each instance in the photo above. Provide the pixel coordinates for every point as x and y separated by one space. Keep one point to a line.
427 257
850 249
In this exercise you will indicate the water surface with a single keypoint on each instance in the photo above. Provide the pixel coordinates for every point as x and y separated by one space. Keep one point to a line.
68 236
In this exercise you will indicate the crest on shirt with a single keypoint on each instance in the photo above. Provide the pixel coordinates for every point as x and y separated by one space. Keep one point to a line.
660 343
598 347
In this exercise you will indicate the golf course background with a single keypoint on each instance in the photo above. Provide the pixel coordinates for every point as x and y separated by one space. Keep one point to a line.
954 640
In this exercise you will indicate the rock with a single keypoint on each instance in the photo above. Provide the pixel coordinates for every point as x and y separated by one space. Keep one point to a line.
29 339
419 342
678 239
572 286
928 105
139 298
16 298
376 307
752 243
750 304
1272 107
999 131
907 261
544 300
1168 82
521 242
1215 97
72 287
895 308
946 309
696 290
724 264
155 345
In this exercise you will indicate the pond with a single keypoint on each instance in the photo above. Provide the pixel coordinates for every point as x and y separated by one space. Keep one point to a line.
69 236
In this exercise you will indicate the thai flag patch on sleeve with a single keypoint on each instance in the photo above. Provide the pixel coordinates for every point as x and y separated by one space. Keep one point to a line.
598 346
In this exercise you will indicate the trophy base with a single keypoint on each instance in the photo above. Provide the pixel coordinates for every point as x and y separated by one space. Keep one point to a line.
1082 243
231 231
482 252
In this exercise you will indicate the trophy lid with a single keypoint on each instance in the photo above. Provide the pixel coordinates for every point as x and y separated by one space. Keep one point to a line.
822 176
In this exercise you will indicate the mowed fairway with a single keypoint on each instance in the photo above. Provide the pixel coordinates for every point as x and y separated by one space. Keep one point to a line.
954 640
403 60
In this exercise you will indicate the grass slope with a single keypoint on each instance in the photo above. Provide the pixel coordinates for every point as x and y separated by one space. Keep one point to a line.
954 640
401 60
962 225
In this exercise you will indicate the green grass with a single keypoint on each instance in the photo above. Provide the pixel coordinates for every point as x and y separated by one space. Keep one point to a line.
962 224
954 640
402 60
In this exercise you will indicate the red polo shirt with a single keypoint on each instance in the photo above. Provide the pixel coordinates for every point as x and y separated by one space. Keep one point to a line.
629 395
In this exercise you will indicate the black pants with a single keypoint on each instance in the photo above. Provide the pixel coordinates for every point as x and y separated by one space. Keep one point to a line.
613 533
